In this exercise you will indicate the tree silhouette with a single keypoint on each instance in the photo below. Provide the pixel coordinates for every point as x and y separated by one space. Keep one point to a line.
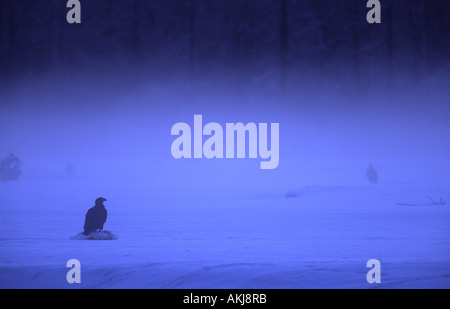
10 168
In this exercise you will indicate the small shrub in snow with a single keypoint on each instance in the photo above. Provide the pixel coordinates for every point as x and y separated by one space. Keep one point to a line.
10 168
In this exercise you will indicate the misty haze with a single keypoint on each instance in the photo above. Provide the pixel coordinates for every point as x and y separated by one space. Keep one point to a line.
364 144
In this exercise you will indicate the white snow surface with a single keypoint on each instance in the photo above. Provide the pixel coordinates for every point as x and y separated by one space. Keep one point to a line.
175 233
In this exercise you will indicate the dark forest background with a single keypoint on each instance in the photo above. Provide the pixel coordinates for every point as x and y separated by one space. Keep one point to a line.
199 33
267 43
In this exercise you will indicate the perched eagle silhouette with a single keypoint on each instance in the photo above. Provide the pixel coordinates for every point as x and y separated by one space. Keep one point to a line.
372 174
95 217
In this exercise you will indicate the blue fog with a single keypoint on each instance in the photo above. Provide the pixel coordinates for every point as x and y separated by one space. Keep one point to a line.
89 112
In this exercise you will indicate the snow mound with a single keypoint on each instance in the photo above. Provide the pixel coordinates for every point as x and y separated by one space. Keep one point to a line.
101 235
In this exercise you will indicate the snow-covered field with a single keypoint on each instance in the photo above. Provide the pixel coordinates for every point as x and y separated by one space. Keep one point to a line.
180 234
313 222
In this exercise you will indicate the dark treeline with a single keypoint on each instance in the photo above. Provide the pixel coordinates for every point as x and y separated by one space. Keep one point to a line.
195 35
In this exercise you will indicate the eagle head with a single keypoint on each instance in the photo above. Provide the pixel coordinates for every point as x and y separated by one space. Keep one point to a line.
100 201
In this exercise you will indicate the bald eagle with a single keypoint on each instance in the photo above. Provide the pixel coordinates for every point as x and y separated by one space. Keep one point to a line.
95 217
372 174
